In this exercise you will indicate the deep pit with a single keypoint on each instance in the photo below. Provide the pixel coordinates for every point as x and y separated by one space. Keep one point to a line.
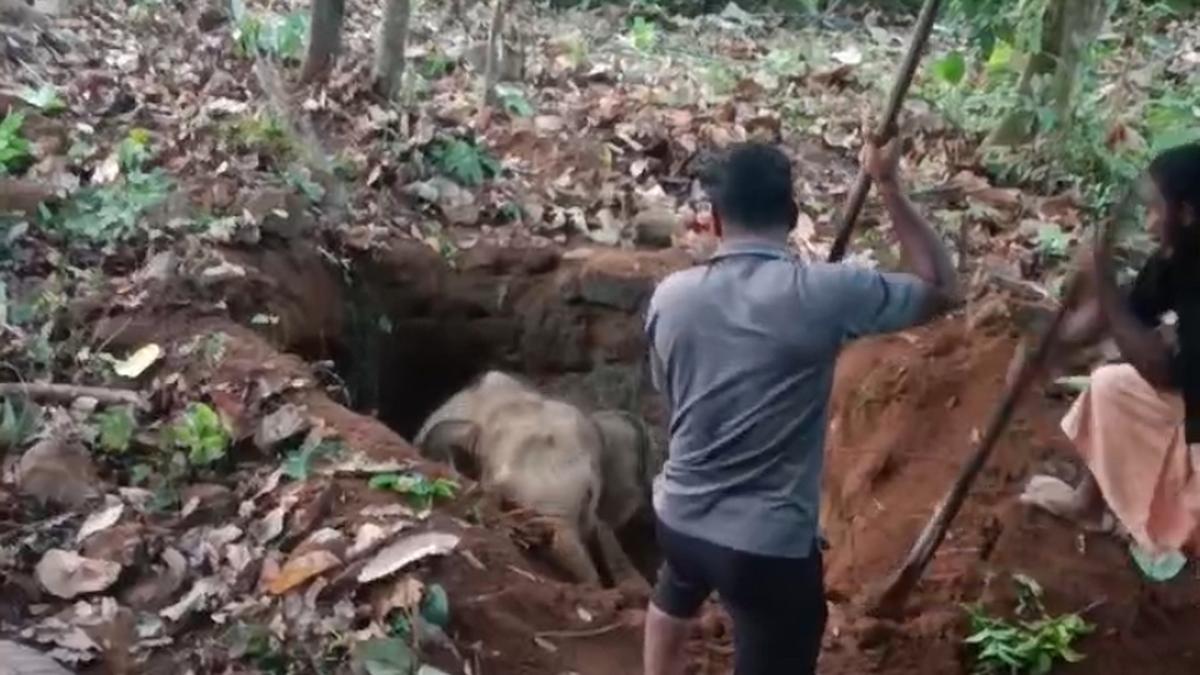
402 330
405 329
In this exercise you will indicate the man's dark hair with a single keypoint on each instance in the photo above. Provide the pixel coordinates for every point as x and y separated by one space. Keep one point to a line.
1176 173
753 188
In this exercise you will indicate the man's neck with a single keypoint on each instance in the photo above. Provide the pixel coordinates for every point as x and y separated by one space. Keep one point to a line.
773 239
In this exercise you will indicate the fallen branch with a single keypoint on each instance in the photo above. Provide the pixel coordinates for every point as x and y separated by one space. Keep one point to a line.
65 393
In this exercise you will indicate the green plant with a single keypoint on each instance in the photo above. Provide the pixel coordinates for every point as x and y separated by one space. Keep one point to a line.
134 150
115 427
302 181
464 161
19 420
435 65
257 645
643 34
15 152
513 100
45 98
263 133
951 68
202 433
1025 646
1051 240
268 34
110 213
421 491
298 463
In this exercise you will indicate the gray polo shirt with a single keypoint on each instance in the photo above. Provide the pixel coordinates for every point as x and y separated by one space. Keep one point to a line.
744 348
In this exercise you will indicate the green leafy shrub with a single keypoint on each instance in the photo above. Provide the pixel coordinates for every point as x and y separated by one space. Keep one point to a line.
1025 646
263 133
298 463
268 33
15 151
115 428
514 102
110 213
421 491
464 161
19 420
45 98
113 212
201 433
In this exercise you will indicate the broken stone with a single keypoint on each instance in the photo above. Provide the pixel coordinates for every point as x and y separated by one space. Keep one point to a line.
58 471
655 227
66 574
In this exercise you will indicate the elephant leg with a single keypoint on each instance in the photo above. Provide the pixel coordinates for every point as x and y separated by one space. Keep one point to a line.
568 550
617 562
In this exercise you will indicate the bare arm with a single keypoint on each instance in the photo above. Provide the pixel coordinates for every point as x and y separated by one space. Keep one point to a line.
919 242
922 247
1142 346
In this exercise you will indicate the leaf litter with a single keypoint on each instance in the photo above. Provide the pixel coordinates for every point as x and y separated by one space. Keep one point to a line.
605 142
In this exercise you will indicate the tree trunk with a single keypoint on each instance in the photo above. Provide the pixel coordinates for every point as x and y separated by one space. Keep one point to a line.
390 45
1069 27
492 63
324 38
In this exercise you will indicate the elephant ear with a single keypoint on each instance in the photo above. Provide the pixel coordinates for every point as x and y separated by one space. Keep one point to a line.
453 442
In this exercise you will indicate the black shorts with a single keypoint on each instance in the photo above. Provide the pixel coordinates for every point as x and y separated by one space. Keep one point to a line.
777 604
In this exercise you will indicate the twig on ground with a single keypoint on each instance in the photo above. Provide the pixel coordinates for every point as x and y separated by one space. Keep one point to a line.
65 393
591 632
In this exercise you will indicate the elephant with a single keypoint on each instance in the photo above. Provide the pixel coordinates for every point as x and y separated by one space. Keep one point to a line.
587 475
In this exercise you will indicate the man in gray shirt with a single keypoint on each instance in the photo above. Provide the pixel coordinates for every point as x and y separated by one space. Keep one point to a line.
744 347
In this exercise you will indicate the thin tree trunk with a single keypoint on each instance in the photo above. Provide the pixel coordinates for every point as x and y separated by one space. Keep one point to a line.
493 61
324 38
390 45
1069 27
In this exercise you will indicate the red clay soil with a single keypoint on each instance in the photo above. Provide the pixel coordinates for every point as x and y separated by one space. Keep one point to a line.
905 413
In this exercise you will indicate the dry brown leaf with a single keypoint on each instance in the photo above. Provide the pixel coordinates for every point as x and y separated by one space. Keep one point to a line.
101 520
406 552
301 568
59 471
66 574
17 659
405 594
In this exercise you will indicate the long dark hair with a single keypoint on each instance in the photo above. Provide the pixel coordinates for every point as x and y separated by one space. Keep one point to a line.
1176 173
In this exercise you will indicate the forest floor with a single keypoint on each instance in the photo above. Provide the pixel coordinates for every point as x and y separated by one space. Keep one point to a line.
272 284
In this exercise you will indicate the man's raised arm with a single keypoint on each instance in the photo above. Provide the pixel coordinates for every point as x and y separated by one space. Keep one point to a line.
920 244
